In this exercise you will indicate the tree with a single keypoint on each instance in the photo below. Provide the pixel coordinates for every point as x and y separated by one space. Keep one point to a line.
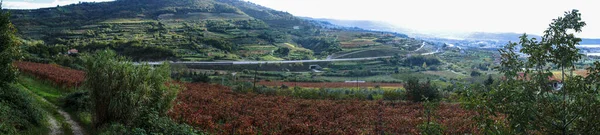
8 50
124 93
18 110
530 104
489 81
284 51
475 73
418 92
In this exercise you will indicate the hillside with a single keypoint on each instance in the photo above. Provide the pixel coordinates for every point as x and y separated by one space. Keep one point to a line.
189 30
465 39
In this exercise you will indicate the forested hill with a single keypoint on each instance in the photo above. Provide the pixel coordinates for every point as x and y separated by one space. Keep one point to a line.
191 30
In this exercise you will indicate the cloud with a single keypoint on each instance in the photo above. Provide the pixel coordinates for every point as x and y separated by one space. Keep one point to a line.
32 4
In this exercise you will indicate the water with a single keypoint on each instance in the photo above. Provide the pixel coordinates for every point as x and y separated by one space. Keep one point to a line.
588 46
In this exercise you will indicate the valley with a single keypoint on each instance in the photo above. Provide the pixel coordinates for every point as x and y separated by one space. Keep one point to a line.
196 67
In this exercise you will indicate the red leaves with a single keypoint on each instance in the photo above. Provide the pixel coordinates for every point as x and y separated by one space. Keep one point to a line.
216 109
59 75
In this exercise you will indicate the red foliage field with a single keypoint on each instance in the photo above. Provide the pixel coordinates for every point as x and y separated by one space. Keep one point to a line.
216 109
329 84
59 75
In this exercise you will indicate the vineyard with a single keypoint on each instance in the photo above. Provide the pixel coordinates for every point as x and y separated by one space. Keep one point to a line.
218 110
59 75
330 84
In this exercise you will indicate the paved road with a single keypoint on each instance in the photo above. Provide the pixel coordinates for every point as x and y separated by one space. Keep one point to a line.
329 59
423 45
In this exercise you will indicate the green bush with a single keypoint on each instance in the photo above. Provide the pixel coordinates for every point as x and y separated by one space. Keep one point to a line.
124 93
18 111
431 128
200 78
153 125
418 92
78 101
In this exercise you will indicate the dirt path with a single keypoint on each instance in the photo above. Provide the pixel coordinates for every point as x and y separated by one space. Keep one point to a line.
54 127
77 130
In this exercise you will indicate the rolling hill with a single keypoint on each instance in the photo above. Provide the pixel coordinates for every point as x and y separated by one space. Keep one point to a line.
474 39
189 30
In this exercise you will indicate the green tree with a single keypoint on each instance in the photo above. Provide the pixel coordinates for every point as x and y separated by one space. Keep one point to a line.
418 92
125 93
489 81
526 97
18 111
284 51
8 49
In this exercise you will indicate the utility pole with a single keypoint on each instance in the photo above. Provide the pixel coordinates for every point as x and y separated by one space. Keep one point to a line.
254 83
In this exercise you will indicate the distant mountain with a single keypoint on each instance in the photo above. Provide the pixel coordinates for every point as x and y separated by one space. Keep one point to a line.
492 39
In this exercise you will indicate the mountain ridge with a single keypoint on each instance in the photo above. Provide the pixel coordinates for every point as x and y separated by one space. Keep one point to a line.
190 30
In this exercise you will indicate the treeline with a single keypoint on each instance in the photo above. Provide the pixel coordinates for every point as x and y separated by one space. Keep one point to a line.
420 60
320 45
223 25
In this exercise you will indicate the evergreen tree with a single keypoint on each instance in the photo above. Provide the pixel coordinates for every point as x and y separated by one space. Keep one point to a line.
8 49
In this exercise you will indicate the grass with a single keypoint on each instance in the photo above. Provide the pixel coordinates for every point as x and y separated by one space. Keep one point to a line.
43 90
421 76
48 93
446 74
132 21
270 58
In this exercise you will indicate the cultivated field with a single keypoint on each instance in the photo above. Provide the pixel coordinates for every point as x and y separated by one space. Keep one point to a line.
218 110
57 74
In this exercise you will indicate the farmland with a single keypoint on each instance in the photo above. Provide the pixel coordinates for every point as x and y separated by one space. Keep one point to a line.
236 113
59 75
218 110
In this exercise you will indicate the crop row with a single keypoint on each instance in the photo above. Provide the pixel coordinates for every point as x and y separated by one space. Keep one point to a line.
218 110
59 75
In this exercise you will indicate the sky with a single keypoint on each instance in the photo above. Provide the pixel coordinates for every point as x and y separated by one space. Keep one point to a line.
518 16
429 16
33 4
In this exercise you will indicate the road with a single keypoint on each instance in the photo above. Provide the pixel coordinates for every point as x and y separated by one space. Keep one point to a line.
420 47
329 59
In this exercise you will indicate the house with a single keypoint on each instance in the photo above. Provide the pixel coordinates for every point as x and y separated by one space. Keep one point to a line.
73 52
556 83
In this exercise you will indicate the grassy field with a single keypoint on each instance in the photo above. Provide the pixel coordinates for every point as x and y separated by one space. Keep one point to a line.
48 97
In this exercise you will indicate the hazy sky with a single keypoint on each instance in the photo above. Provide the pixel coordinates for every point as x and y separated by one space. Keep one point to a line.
32 4
531 16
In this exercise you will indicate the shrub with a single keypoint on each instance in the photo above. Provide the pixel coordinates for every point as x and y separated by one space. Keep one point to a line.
475 73
18 111
124 93
200 78
418 92
153 124
78 101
